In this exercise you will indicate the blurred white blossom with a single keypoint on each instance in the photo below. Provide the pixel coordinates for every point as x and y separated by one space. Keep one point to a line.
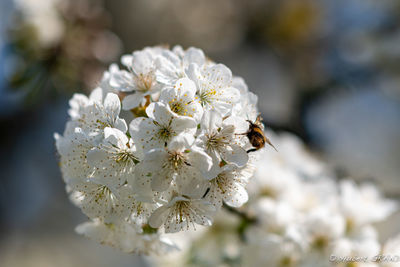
297 214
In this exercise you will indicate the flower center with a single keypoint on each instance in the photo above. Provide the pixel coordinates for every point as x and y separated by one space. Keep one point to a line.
176 159
102 192
165 132
145 81
207 96
178 108
215 141
101 124
349 225
181 212
221 182
320 242
286 261
125 157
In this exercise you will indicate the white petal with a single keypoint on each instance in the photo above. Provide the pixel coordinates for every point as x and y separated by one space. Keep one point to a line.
158 217
186 89
112 105
241 125
136 125
238 198
196 110
141 183
236 155
167 95
191 183
178 50
193 73
167 72
142 128
194 55
97 231
213 172
227 132
211 120
153 167
203 211
160 113
97 95
121 80
127 60
240 84
172 58
143 131
200 159
183 124
230 95
76 103
96 157
120 124
219 75
181 142
215 168
115 137
132 101
156 155
161 180
142 62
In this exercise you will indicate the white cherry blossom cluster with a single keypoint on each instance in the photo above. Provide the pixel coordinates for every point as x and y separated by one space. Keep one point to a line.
298 215
157 148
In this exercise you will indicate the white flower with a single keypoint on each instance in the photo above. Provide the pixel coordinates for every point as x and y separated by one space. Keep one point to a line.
161 126
100 199
173 65
140 78
270 250
275 217
179 161
94 114
115 158
294 156
356 204
218 139
182 213
323 226
271 179
182 100
246 108
214 87
131 209
391 250
73 150
229 187
311 194
348 249
125 237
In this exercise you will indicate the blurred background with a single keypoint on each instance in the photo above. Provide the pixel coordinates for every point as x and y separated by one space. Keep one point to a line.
328 71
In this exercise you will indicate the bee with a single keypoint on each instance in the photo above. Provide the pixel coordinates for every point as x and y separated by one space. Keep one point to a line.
256 135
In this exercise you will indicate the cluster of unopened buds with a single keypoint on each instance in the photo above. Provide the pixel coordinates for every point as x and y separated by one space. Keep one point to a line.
158 147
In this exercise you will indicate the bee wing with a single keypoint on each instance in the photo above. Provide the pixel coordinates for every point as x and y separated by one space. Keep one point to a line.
270 143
